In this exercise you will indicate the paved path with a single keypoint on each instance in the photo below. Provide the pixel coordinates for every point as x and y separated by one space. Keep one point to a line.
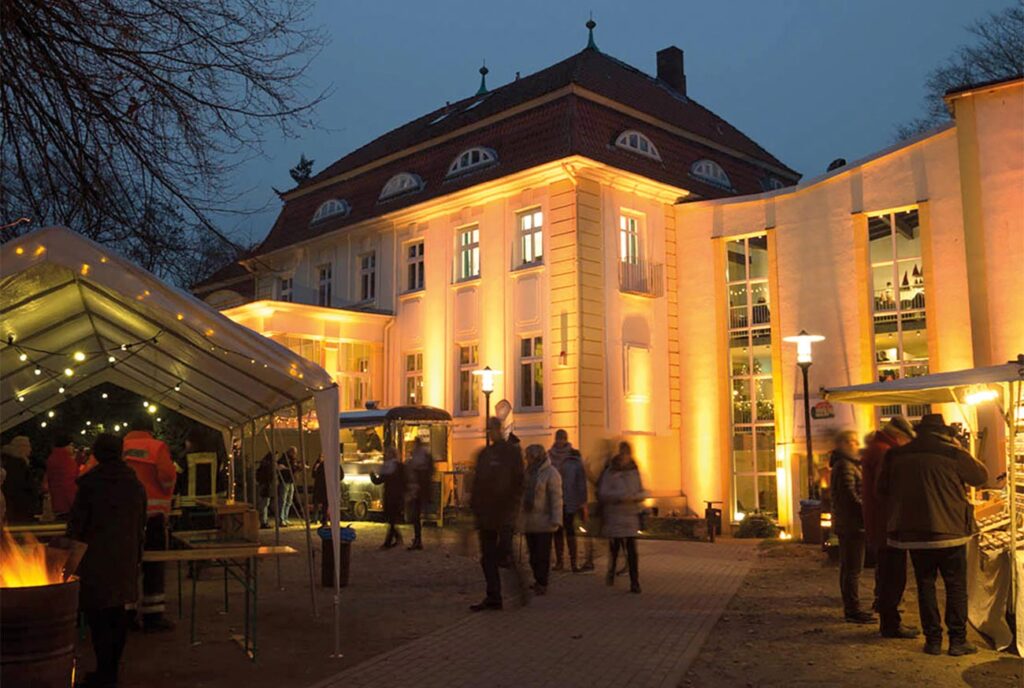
581 633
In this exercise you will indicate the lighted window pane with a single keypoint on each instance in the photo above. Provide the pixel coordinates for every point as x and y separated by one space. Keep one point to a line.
758 257
762 360
736 261
741 401
743 451
746 493
765 402
765 438
739 358
767 493
908 234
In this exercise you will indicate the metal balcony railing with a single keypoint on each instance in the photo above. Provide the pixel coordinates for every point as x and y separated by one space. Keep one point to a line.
642 277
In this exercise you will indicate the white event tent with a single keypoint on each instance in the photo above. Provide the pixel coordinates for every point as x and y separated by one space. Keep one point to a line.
61 293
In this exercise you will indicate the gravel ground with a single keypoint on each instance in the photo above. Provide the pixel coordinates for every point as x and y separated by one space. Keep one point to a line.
785 628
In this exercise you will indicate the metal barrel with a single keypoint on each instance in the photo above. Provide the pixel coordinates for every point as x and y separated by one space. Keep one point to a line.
37 635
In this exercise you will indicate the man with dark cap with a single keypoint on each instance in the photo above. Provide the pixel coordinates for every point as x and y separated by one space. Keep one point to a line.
109 516
890 562
929 515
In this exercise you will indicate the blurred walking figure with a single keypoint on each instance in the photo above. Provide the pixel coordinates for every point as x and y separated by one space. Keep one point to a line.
264 484
286 466
890 562
420 472
18 487
61 472
496 490
930 516
620 492
392 477
108 515
542 512
569 463
848 522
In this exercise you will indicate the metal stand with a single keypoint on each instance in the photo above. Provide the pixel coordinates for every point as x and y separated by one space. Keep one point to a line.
812 486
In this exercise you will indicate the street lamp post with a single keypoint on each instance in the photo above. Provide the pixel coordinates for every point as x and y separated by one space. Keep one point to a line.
487 387
803 343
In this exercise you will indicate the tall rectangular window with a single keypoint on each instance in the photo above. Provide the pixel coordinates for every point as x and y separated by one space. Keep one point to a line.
323 292
353 374
629 239
284 288
898 284
368 276
531 237
750 376
469 253
531 373
469 384
414 266
414 378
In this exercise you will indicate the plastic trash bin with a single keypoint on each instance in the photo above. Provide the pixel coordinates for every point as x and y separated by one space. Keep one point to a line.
348 535
810 520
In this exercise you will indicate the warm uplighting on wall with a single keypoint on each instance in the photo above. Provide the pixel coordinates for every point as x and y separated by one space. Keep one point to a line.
980 396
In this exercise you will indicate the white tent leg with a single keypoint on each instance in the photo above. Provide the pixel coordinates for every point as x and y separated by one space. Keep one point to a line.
305 509
276 497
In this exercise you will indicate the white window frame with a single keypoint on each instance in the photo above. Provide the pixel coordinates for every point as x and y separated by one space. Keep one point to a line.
467 252
331 208
471 159
325 284
286 288
401 183
530 236
466 381
413 377
533 361
368 276
711 172
635 142
415 266
631 237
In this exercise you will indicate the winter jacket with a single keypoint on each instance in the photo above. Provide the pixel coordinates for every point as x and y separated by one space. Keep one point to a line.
265 474
109 515
151 460
542 505
61 473
620 492
874 504
497 485
569 465
924 482
392 477
319 483
19 489
287 468
420 473
845 492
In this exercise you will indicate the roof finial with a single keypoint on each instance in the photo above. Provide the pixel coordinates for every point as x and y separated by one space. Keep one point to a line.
591 45
483 80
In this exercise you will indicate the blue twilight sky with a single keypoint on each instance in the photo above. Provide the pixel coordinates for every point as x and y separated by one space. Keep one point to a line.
810 80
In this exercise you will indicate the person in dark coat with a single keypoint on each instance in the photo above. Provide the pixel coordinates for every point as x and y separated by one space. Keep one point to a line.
848 522
567 460
930 516
890 562
392 477
18 486
109 516
420 476
496 491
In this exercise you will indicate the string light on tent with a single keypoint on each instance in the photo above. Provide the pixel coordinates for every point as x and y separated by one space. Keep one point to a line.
151 408
38 371
50 414
78 356
23 357
117 428
43 424
21 398
177 387
60 390
104 395
69 372
111 359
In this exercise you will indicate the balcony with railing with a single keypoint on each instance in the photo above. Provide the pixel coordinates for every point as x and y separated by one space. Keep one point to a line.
642 277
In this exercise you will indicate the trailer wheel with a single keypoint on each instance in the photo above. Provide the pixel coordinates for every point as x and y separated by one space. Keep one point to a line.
360 510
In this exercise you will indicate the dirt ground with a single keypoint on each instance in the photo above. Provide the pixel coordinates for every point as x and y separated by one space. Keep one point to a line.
785 628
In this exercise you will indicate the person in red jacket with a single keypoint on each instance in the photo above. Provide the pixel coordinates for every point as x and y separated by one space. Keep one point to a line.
890 563
150 458
61 472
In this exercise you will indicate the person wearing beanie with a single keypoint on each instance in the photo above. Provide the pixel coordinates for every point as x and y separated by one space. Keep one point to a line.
928 515
61 472
890 562
108 515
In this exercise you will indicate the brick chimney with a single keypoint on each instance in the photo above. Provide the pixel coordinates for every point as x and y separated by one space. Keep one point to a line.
670 69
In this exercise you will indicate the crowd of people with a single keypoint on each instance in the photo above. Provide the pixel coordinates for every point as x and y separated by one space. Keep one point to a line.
905 494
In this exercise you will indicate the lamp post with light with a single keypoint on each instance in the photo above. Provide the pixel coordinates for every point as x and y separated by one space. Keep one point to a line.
487 387
803 343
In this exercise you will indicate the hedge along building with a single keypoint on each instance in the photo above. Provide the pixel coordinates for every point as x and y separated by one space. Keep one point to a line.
561 229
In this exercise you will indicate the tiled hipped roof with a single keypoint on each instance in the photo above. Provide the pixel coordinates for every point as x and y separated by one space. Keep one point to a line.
568 125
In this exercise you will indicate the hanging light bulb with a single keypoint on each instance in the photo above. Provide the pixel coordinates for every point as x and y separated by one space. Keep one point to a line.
177 387
78 356
151 408
104 395
69 372
43 424
21 398
50 414
60 390
111 359
117 428
124 347
83 432
159 420
145 404
23 357
88 422
38 371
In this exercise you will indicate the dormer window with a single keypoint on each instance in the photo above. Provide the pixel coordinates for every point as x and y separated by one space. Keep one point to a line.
636 142
711 172
772 184
331 208
471 159
401 183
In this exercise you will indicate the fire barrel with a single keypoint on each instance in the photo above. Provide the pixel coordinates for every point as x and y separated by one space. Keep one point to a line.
37 635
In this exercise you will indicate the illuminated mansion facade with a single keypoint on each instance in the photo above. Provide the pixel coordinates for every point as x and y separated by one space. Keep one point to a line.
630 262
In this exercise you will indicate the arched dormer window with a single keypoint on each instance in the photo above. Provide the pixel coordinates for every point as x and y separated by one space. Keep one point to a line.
472 158
772 184
633 140
331 208
401 183
711 172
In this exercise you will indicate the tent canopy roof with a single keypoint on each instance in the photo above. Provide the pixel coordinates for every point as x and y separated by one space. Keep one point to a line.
61 293
937 388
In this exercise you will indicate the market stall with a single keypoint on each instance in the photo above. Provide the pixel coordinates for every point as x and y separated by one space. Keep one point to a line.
989 402
74 315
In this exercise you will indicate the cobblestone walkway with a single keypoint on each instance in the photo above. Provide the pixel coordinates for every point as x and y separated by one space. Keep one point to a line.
581 633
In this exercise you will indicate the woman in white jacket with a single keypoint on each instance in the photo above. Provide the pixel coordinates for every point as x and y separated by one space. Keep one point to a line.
541 512
620 493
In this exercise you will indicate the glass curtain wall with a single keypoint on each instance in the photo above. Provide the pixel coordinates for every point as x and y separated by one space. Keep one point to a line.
750 376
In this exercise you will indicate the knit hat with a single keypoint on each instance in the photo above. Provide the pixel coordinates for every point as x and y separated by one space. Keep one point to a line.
899 424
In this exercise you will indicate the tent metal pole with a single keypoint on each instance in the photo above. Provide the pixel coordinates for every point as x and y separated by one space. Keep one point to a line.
276 496
305 510
1014 397
251 479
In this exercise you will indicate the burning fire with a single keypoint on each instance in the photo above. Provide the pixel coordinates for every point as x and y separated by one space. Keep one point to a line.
29 564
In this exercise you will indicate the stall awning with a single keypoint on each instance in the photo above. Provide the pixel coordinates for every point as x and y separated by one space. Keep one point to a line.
936 388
